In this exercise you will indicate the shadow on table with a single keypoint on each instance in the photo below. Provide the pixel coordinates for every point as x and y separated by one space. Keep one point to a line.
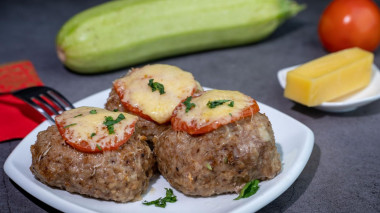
367 110
296 190
37 202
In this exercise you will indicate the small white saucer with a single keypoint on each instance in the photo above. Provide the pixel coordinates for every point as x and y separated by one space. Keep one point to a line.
348 103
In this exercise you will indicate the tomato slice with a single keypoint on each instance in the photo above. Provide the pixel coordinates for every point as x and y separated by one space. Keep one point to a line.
91 129
211 110
152 92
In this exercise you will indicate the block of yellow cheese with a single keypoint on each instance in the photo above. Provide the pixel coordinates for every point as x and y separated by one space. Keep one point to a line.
329 77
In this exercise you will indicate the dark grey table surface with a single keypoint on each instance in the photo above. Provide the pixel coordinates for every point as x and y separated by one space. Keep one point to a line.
343 172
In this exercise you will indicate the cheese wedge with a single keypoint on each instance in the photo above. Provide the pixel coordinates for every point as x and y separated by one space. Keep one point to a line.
329 77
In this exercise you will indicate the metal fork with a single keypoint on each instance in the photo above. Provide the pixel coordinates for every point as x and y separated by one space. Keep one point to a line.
41 97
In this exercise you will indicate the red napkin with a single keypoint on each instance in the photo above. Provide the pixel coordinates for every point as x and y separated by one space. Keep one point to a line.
18 118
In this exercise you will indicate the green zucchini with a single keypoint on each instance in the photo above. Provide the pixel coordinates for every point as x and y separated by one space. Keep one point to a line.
123 33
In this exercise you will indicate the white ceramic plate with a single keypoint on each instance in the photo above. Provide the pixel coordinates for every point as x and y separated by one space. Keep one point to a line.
294 144
365 96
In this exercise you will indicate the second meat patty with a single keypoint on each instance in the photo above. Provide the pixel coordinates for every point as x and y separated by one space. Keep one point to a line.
221 161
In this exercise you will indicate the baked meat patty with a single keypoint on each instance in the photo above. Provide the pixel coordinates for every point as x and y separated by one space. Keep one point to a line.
121 175
221 161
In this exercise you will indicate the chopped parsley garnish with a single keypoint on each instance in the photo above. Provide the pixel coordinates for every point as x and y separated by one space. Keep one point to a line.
109 122
209 166
225 160
188 104
78 115
156 86
213 104
93 111
115 110
97 146
249 189
67 126
161 202
93 134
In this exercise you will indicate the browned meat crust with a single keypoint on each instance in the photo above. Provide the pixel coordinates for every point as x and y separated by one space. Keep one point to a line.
221 161
121 175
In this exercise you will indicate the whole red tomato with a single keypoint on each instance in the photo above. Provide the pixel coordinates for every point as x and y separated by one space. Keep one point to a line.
350 23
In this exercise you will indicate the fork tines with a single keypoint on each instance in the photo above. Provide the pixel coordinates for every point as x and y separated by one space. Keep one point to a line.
45 100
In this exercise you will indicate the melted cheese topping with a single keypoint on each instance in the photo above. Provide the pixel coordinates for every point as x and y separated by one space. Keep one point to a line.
202 115
82 125
136 92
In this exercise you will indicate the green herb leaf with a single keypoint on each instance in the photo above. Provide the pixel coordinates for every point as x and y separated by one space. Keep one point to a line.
93 111
156 86
170 197
209 166
213 104
67 126
109 122
249 189
161 202
97 146
93 134
115 110
78 115
188 104
225 160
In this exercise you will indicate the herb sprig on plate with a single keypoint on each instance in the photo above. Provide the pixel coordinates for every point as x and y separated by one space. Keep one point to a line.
249 189
161 202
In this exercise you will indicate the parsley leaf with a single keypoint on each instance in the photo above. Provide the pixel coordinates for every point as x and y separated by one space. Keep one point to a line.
93 134
78 115
188 104
67 126
213 104
249 189
170 197
225 160
156 86
97 146
209 167
109 122
93 111
161 202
